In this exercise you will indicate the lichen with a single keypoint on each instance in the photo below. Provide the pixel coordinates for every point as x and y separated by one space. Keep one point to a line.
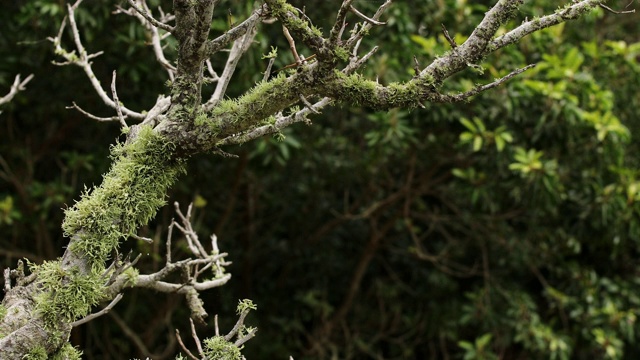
220 349
232 115
37 353
67 295
67 352
129 197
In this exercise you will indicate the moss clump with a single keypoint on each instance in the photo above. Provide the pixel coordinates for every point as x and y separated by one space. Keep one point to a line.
220 349
230 115
67 295
129 197
37 353
341 53
67 352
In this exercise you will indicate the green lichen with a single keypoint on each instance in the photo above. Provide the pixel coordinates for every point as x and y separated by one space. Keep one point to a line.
129 197
245 305
67 295
132 276
341 53
67 352
37 353
220 349
233 115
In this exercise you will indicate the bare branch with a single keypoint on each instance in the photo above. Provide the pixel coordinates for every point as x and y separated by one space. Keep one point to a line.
91 116
239 48
156 39
292 45
615 11
365 17
239 30
114 93
364 29
17 86
145 13
186 350
81 59
448 37
334 35
267 72
479 89
194 334
192 238
108 308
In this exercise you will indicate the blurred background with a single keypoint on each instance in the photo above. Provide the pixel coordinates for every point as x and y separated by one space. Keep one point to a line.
506 227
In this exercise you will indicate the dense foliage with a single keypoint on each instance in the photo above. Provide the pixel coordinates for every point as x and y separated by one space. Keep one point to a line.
503 228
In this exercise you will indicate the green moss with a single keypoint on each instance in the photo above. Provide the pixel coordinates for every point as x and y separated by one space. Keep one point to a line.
67 352
220 349
341 53
37 353
226 117
67 302
129 197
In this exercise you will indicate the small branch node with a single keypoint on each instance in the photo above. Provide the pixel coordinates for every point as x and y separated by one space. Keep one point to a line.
448 37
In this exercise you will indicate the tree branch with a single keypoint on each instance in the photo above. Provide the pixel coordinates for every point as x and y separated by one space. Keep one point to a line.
18 85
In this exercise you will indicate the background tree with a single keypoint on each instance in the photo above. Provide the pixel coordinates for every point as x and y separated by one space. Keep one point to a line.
417 198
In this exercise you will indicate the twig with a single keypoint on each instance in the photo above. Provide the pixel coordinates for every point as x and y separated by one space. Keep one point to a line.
617 12
356 63
292 45
214 75
246 338
364 29
16 87
88 318
416 66
334 35
239 48
189 354
114 93
448 37
281 122
195 338
156 39
142 238
479 89
308 104
192 238
365 17
150 18
239 30
91 116
169 234
267 72
82 59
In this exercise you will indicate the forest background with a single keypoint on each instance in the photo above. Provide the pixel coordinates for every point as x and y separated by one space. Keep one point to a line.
505 227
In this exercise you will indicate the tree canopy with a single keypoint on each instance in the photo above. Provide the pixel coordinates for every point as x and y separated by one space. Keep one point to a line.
450 200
